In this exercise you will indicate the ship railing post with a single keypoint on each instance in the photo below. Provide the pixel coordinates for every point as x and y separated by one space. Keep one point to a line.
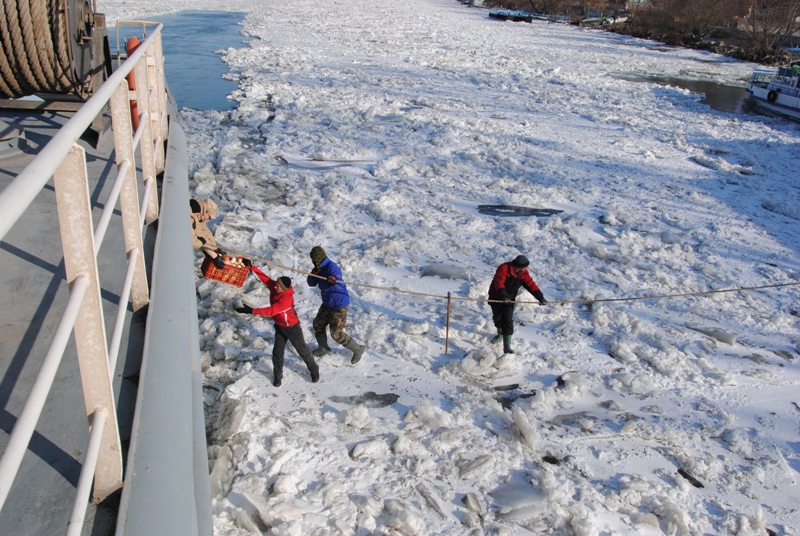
146 146
129 195
153 68
161 91
77 237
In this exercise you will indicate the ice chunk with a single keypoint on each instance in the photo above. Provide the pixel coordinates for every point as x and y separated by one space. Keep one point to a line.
403 520
752 525
647 525
598 251
259 504
243 521
368 448
357 417
367 505
519 501
445 271
470 500
285 484
518 495
472 520
287 509
433 416
670 237
468 468
403 445
416 328
431 500
715 333
672 516
524 427
781 207
736 439
221 474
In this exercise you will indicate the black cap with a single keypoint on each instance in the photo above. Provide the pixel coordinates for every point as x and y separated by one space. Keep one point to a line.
285 282
521 262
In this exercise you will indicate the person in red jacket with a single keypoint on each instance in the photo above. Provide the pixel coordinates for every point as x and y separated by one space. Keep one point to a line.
287 325
508 279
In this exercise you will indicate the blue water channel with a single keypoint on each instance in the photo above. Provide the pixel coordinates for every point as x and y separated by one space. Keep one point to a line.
193 67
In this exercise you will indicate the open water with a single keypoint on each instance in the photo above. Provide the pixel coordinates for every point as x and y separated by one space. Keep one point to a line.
193 66
719 97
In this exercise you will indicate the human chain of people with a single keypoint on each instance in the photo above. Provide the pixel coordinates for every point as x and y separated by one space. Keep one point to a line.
509 278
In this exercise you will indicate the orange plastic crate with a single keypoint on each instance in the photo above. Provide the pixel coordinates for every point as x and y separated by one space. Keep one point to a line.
232 275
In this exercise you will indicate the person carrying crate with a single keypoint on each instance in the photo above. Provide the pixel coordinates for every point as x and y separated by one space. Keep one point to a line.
202 237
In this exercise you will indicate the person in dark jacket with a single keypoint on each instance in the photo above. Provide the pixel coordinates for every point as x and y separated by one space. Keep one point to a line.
333 311
508 279
287 325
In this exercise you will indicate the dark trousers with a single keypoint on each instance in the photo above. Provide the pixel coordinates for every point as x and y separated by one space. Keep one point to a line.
503 317
294 335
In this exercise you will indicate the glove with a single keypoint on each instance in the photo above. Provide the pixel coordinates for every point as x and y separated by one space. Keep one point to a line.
331 280
219 262
246 309
540 297
247 262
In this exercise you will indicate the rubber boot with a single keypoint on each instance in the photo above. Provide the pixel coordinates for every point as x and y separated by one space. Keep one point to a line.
499 337
322 341
507 344
357 350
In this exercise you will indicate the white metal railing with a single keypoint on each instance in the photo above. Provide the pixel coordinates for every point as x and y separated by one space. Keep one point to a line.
762 76
64 160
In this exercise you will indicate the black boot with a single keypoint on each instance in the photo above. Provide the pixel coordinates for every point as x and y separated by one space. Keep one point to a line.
322 341
357 349
277 381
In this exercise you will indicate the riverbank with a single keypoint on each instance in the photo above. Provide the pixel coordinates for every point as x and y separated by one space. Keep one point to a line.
724 41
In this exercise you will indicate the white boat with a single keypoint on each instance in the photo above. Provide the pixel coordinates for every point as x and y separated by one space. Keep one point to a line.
778 90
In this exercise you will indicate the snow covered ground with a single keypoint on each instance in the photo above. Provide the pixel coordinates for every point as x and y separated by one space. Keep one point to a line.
376 129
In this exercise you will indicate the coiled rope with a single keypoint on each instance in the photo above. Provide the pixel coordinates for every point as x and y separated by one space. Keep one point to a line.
35 55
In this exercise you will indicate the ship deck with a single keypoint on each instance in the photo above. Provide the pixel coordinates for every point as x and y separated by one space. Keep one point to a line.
35 291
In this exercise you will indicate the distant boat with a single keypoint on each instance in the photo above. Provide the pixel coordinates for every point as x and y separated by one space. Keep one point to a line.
778 90
512 15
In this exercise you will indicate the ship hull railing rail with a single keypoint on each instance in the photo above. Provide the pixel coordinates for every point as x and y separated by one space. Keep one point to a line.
762 77
64 160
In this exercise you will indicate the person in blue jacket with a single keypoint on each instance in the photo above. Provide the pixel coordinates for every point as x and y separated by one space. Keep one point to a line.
333 311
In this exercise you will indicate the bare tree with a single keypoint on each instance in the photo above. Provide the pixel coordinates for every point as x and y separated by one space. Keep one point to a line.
697 18
546 7
768 24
